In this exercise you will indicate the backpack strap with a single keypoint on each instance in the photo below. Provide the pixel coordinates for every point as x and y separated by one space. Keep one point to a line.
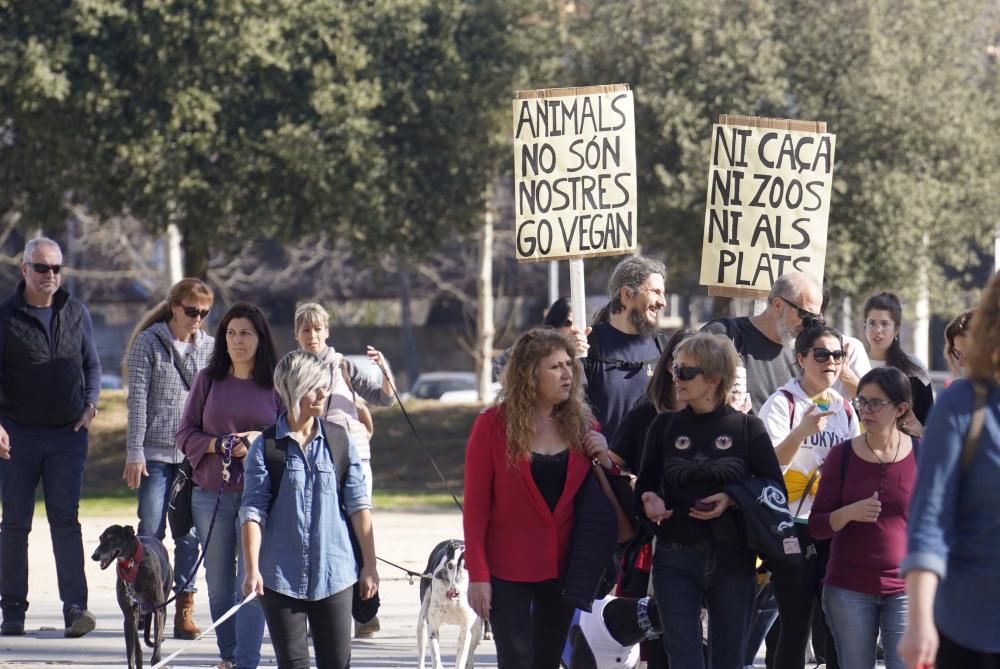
849 410
981 390
276 452
791 408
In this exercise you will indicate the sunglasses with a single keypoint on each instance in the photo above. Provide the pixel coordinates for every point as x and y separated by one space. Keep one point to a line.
823 354
686 373
42 268
862 404
194 312
807 317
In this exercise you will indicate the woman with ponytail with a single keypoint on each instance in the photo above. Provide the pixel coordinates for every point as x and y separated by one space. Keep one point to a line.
165 352
863 505
883 320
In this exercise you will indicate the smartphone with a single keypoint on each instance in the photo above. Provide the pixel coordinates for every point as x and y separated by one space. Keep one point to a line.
701 505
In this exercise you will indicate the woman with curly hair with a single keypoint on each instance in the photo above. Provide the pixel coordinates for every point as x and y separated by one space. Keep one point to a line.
951 568
957 342
527 459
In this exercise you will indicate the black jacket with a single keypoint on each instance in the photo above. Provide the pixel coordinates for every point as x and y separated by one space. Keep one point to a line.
595 532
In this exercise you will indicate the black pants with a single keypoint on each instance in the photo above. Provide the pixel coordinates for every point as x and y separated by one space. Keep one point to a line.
330 621
952 656
530 624
797 599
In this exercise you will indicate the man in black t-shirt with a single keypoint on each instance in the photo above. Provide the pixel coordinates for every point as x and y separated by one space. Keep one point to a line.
623 344
765 340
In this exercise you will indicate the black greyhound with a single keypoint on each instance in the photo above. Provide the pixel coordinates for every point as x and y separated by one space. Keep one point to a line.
144 580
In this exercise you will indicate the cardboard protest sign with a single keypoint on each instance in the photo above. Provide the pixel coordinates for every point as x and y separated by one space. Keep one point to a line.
574 172
768 201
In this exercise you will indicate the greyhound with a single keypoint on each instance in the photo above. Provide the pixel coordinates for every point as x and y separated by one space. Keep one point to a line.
144 580
443 601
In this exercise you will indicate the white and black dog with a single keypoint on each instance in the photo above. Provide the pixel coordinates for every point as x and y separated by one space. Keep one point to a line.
444 601
144 579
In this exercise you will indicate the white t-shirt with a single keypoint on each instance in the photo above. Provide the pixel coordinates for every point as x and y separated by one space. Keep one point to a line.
182 347
781 416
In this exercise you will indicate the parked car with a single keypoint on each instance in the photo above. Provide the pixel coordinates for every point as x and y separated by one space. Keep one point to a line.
449 387
111 382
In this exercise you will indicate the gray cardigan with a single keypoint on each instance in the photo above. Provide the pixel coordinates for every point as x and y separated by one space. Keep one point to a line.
157 392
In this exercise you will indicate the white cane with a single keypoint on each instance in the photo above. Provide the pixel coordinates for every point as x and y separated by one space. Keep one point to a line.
225 616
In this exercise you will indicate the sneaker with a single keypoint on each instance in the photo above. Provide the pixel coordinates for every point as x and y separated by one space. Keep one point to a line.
79 621
225 664
13 619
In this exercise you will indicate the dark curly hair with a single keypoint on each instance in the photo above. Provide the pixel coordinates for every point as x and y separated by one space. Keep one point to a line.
266 358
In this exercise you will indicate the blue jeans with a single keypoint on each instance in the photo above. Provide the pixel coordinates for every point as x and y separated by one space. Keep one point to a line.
154 493
56 458
856 619
686 576
765 612
238 638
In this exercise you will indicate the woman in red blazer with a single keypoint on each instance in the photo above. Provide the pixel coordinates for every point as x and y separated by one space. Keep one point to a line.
527 457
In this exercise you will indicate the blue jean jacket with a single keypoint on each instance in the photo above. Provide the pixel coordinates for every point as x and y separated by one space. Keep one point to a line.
305 549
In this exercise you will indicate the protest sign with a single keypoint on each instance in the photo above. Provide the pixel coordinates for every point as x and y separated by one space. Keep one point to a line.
574 172
768 201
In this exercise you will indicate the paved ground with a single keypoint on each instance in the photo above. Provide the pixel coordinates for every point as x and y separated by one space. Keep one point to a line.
404 538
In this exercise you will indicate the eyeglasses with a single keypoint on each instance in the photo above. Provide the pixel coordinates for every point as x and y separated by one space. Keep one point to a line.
42 268
863 404
686 373
879 325
195 312
823 354
807 317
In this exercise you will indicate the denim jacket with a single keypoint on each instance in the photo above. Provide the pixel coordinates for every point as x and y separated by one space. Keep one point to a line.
953 527
305 549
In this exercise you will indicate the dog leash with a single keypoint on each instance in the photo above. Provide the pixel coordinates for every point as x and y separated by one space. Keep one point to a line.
427 452
410 575
223 618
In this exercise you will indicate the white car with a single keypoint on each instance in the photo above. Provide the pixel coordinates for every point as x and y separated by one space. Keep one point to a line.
449 387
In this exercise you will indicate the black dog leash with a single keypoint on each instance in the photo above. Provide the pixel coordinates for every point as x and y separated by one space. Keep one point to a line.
410 575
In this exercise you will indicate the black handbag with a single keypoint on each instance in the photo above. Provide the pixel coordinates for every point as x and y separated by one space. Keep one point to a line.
179 508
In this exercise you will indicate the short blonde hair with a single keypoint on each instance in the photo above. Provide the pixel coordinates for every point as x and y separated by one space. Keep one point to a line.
296 374
311 313
716 356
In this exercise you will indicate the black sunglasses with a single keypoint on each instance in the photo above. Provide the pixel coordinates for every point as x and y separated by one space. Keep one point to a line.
193 312
686 373
807 317
42 268
824 354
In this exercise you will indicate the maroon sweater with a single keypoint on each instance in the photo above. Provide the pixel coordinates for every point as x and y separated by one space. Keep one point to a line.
865 557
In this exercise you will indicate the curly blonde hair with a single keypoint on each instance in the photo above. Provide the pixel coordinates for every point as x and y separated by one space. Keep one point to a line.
518 398
983 357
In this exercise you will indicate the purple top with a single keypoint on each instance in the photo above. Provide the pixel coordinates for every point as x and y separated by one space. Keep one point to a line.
865 557
215 409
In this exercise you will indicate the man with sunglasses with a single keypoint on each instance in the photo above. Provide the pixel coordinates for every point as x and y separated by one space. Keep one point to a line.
764 341
50 377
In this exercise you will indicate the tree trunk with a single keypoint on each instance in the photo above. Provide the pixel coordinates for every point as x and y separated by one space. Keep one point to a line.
484 287
411 363
195 255
175 258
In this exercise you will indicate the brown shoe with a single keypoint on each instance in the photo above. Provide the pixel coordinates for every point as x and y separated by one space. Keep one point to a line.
184 627
366 630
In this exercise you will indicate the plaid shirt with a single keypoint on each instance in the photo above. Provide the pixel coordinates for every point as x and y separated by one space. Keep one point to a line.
157 392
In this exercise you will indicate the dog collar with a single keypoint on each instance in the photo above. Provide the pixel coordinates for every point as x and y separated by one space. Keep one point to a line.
129 569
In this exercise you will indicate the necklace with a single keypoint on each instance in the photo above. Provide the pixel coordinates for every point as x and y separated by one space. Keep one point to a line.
899 440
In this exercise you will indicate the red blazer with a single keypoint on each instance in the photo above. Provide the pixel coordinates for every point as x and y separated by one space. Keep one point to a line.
509 531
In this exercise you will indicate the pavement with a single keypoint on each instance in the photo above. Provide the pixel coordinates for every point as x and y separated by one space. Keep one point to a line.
403 538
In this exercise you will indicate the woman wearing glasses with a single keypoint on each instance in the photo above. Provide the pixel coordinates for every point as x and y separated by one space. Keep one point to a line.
166 350
863 504
689 456
883 320
805 419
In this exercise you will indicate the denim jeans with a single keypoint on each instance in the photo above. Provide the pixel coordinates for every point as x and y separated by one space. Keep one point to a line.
238 638
686 576
856 619
154 493
56 458
765 612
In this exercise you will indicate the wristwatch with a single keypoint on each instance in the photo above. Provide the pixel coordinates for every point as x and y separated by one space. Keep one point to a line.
92 406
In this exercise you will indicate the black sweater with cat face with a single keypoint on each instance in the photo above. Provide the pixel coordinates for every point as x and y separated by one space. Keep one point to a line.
689 456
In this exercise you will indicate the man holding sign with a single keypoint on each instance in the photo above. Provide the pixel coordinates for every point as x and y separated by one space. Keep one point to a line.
623 343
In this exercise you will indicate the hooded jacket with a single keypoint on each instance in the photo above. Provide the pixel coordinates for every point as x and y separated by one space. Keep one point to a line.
781 413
